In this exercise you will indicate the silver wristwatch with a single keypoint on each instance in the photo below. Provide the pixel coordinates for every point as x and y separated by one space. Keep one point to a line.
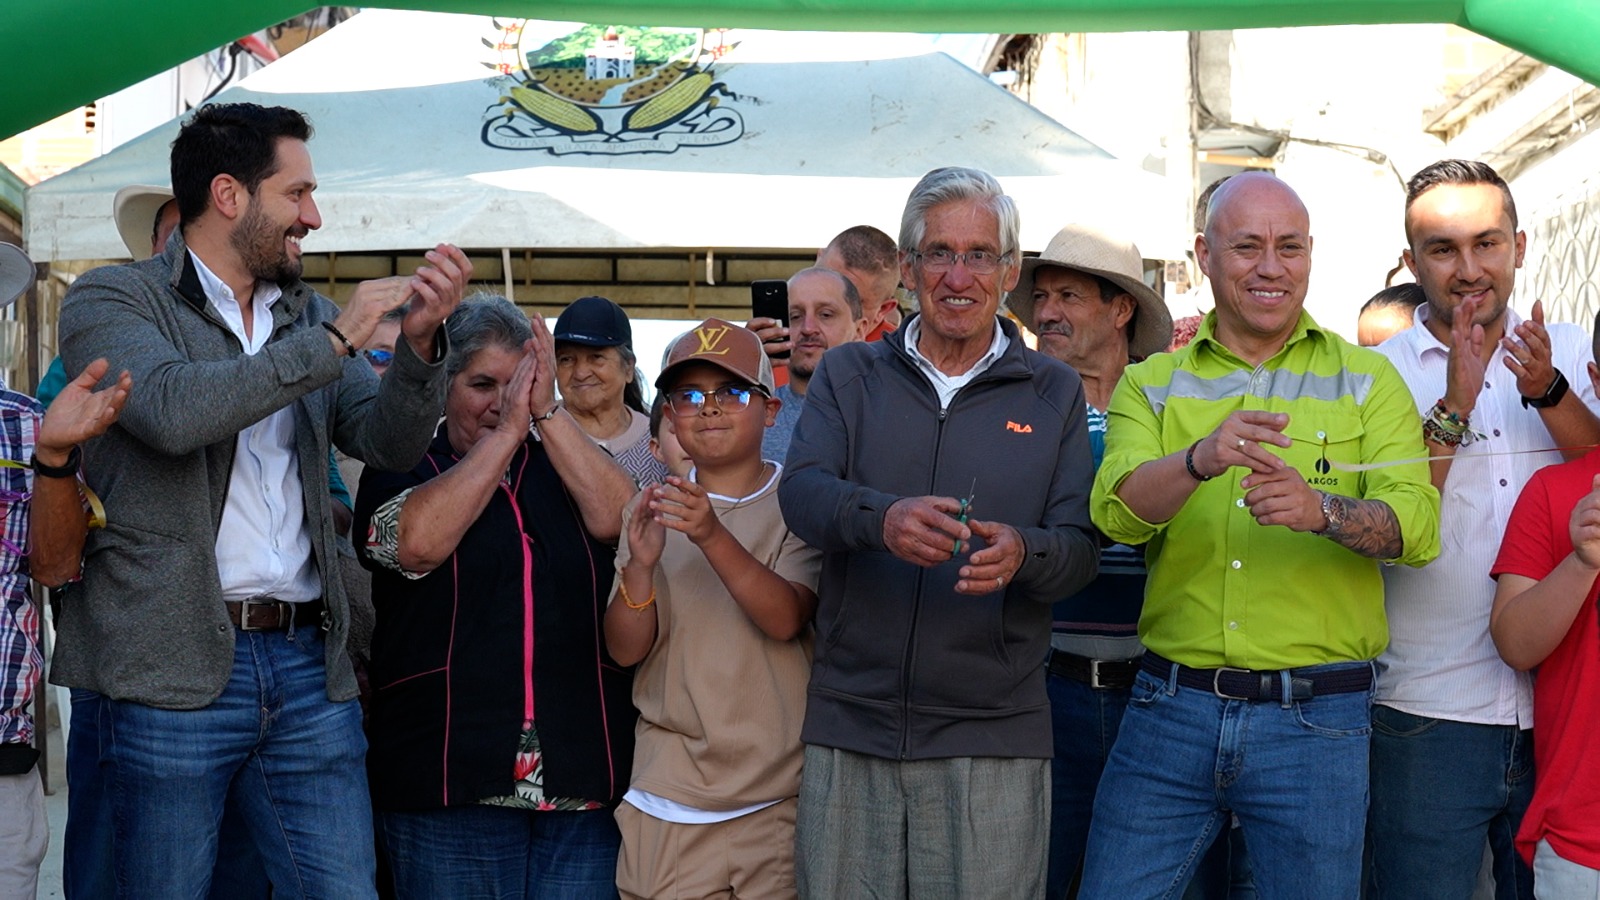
1333 509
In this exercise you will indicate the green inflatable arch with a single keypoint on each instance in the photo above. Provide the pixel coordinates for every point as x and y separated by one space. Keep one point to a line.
60 55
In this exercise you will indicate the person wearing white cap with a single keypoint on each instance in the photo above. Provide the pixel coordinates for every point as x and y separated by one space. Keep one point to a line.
1086 299
40 509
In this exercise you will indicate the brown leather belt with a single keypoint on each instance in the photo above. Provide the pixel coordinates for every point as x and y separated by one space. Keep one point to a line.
1100 674
269 614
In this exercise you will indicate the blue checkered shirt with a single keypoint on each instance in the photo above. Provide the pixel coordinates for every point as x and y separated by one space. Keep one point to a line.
19 618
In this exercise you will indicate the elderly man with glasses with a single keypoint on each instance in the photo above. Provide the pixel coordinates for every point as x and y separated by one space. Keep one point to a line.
944 473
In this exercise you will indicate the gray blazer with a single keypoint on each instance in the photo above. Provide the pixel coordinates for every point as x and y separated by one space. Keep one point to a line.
147 623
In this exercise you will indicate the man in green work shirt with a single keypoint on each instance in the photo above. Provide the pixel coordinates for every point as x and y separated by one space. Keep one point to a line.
1269 466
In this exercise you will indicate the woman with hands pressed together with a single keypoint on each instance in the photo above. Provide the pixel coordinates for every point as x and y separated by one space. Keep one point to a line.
714 598
501 732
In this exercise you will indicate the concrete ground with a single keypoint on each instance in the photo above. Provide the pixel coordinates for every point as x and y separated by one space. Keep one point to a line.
55 804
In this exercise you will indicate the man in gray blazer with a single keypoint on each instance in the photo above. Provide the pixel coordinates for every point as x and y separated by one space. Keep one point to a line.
211 616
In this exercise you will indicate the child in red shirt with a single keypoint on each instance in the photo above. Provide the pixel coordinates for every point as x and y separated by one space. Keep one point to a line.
1544 616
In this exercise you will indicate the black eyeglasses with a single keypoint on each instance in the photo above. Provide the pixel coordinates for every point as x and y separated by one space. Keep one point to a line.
690 401
379 357
979 262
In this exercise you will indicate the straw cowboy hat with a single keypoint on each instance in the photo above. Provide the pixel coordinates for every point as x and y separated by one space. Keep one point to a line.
16 273
134 209
1094 252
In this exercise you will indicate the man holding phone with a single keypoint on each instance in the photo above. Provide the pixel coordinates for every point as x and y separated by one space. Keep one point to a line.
824 312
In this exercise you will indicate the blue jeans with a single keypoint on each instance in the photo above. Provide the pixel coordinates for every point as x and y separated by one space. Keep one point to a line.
496 853
272 746
1085 723
87 869
1439 789
1294 772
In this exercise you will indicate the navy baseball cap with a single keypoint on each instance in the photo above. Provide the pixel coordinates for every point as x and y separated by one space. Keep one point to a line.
594 322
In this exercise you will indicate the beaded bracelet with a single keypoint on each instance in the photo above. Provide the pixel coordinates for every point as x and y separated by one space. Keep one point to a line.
622 587
1447 428
1449 421
1433 431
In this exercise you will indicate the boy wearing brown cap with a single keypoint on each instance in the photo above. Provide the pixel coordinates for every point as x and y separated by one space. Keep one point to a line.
714 600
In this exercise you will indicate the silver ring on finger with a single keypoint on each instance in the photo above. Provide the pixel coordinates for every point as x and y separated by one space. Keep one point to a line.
1241 443
999 582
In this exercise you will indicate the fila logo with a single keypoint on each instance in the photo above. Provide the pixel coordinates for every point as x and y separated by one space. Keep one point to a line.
1019 429
709 339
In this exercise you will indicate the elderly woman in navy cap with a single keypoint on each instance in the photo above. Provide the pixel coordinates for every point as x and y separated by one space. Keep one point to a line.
600 386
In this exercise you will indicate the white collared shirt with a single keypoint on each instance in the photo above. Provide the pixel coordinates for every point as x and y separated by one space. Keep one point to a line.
1441 661
263 545
948 386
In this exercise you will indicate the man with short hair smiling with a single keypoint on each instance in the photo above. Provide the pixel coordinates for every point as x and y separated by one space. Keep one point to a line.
1264 606
1452 755
824 312
210 615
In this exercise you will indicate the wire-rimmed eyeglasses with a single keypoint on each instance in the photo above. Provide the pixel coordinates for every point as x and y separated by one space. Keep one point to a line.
979 262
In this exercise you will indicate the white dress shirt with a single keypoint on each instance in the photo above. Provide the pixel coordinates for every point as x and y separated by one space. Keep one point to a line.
1441 662
263 545
948 386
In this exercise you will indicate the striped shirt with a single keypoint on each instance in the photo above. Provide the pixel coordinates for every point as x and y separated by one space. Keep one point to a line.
19 618
1441 661
1102 620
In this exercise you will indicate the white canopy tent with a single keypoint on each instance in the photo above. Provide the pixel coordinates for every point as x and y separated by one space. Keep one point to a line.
791 152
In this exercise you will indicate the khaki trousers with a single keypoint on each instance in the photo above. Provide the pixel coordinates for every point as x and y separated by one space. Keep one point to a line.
964 829
748 857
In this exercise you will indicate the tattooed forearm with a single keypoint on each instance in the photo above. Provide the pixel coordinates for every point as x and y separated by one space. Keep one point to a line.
1367 526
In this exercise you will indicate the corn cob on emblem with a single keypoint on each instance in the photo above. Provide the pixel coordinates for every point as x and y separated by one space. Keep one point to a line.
672 103
554 111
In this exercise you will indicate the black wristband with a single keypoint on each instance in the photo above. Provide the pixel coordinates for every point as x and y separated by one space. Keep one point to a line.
1552 395
350 348
68 470
1188 463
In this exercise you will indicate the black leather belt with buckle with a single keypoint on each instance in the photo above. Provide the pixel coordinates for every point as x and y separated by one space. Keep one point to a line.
1266 685
269 614
1100 674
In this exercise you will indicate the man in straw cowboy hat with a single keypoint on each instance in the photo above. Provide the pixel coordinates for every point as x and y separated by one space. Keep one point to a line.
1086 299
1270 465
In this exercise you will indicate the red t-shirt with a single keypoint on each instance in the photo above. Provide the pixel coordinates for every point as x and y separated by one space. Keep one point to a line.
1566 688
877 334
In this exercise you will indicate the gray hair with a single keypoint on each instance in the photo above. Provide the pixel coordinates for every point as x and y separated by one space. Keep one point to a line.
953 183
482 321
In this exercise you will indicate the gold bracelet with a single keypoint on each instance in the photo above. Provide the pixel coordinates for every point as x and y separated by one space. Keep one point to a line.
622 588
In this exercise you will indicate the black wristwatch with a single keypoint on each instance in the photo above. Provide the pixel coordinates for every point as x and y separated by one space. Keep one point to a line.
1552 396
69 470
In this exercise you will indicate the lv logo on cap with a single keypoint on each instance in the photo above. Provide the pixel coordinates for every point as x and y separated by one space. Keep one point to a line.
709 338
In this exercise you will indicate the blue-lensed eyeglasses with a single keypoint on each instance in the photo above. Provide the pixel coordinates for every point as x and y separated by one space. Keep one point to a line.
690 401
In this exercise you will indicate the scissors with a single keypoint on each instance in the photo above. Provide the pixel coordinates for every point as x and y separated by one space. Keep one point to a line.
966 508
